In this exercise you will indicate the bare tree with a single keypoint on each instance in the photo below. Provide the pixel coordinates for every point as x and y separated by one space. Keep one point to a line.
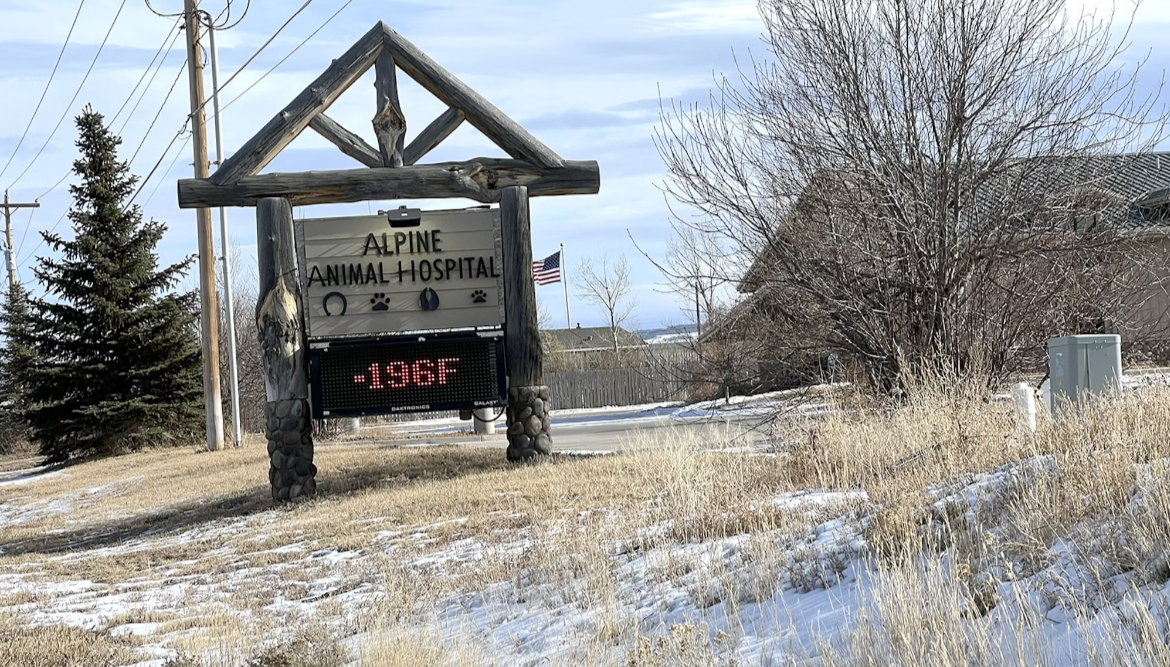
923 183
696 266
608 287
248 358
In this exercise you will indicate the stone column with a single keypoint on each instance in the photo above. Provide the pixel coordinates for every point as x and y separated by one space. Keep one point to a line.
290 450
529 428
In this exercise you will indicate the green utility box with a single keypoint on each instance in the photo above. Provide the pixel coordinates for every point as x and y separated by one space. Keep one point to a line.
1080 366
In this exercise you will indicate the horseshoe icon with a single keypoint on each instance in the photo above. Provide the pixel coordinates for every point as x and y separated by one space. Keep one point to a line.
339 295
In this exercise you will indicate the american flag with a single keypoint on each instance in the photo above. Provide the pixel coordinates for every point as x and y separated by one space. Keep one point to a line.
548 270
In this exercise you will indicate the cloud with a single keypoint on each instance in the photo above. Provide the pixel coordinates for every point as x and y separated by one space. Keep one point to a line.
729 16
577 119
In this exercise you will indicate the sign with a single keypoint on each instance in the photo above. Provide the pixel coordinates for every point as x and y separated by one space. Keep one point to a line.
361 276
453 372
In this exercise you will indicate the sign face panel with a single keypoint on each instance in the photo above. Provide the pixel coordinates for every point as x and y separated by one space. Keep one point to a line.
441 373
361 277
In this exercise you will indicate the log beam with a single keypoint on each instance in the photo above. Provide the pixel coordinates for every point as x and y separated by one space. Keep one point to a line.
349 143
389 123
258 151
481 180
434 134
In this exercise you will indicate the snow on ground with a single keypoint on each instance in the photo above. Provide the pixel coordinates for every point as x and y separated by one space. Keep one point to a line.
677 338
774 596
26 476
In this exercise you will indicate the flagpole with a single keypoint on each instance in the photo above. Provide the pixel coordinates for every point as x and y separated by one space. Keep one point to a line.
565 276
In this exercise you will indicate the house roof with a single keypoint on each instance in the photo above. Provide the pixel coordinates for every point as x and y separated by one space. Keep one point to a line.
1135 188
1141 183
590 338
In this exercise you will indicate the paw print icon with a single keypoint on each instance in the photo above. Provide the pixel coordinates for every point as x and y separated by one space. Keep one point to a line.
479 296
380 302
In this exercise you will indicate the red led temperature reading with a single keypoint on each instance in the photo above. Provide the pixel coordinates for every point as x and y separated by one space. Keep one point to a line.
415 376
403 374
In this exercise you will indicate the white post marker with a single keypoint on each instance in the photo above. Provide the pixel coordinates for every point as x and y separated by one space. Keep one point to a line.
484 422
229 307
1024 399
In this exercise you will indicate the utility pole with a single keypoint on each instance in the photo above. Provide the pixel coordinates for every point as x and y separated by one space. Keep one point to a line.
698 315
233 372
209 317
9 257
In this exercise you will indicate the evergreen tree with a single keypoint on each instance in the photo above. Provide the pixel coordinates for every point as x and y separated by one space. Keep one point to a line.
16 359
118 364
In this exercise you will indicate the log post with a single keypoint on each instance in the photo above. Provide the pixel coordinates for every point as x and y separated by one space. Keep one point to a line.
284 349
529 428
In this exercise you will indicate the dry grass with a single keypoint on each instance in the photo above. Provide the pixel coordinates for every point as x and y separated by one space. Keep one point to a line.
558 531
60 646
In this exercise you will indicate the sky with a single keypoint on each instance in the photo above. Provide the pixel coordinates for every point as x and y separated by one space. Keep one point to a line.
586 78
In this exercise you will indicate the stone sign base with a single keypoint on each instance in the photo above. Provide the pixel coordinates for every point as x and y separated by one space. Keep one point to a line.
290 450
529 429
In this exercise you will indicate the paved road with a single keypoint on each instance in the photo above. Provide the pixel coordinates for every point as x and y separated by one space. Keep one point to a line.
607 431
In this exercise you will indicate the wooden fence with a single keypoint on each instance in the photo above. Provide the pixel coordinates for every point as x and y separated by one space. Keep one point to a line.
657 378
619 386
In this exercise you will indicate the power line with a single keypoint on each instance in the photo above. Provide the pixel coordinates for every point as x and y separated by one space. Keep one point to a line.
51 230
158 13
178 134
159 113
75 94
282 60
162 157
227 21
28 224
258 52
127 101
145 90
226 13
45 91
174 29
168 171
157 164
150 83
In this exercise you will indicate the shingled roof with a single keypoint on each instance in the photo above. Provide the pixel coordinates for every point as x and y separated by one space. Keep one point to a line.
593 338
1141 183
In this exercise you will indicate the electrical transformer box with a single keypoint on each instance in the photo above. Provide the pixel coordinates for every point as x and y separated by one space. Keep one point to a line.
1083 365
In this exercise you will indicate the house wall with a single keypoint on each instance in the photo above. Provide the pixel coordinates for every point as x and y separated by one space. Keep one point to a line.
1146 324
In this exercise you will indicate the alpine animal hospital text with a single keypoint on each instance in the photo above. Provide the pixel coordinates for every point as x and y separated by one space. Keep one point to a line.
390 244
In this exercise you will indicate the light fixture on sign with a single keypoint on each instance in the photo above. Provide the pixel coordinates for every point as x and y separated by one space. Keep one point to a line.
403 216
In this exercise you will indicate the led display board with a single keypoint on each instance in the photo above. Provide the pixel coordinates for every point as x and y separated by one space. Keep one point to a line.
401 271
416 374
